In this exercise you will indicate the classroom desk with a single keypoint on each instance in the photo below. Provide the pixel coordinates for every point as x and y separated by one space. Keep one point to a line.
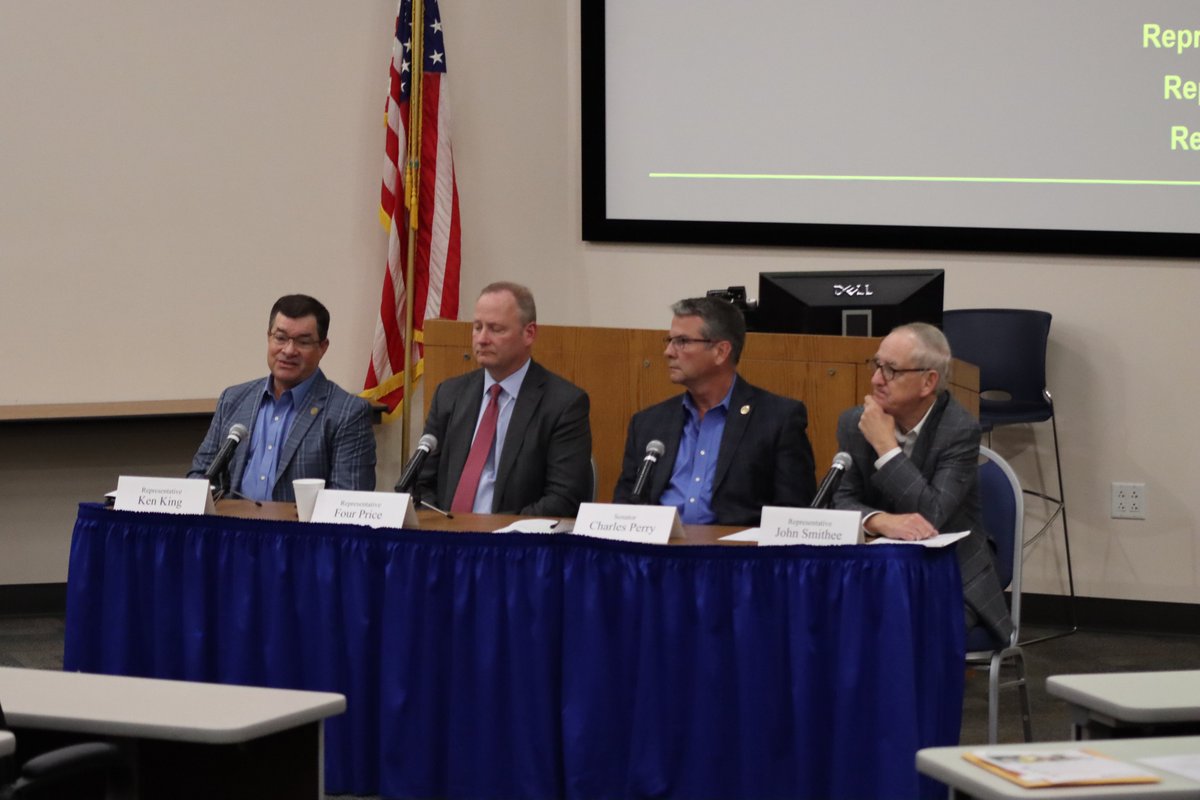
965 779
1110 704
521 665
184 739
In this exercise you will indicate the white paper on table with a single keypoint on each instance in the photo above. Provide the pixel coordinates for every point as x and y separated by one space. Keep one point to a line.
530 526
748 535
1186 765
941 540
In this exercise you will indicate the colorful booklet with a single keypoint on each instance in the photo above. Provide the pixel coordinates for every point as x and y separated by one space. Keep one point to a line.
1040 768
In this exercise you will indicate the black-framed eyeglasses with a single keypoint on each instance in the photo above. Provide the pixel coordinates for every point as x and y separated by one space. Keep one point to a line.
890 372
280 339
680 342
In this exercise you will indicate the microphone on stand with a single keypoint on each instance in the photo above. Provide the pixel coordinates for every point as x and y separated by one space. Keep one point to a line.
829 484
426 447
654 451
219 468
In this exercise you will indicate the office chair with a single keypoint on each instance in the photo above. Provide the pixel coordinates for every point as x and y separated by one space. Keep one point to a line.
1009 347
76 772
1003 505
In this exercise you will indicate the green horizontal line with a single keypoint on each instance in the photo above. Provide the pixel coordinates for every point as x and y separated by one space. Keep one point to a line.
733 176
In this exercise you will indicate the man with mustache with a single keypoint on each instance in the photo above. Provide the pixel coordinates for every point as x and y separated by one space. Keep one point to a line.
514 438
302 425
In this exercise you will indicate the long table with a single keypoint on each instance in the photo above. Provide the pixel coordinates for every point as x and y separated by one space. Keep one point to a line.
536 666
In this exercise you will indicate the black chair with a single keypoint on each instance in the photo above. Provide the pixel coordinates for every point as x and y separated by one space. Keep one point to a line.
1009 347
75 772
1002 502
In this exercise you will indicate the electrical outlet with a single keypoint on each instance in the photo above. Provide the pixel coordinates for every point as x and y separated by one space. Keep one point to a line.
1128 500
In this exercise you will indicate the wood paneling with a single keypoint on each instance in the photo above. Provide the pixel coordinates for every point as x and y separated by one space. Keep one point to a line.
623 371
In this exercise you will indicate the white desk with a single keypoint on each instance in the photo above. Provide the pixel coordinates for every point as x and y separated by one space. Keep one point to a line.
965 779
185 739
1103 703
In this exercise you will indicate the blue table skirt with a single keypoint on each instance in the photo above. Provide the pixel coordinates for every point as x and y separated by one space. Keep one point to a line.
527 666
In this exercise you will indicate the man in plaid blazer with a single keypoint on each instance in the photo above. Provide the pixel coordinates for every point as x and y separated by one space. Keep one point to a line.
302 425
916 455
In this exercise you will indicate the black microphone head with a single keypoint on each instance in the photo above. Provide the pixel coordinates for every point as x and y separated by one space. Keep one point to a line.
428 443
655 448
842 461
237 431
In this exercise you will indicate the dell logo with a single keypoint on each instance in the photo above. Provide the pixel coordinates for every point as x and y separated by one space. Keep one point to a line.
852 290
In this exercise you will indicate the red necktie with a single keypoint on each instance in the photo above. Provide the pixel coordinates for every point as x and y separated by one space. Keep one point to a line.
468 483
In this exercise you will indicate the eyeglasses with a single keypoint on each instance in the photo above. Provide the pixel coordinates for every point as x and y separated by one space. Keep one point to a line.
680 342
890 372
280 340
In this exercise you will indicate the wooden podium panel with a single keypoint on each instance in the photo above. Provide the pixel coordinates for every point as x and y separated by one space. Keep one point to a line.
623 371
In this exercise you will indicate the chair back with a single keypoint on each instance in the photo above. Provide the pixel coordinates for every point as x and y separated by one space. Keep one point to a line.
1009 347
1003 507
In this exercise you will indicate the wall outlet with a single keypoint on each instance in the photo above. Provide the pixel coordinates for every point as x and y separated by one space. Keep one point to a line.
1128 500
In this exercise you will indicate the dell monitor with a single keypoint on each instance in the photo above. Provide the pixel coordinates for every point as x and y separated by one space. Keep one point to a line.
847 303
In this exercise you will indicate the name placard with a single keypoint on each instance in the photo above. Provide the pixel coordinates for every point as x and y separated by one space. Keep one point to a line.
376 509
629 523
809 526
164 495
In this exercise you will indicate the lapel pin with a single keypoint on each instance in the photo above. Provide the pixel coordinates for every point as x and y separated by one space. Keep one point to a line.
745 410
313 410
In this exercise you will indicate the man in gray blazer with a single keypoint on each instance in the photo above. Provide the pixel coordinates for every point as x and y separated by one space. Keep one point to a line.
916 454
301 424
513 437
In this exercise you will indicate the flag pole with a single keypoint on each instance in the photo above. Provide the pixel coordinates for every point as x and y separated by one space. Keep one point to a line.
412 199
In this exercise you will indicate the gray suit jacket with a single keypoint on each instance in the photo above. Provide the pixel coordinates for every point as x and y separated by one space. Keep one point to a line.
331 438
939 482
546 466
765 456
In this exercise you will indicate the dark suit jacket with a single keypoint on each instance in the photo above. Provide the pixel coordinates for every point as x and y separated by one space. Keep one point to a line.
546 466
768 443
939 482
331 438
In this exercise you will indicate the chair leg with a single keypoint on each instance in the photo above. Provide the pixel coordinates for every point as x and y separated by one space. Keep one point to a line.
1062 510
1023 690
994 698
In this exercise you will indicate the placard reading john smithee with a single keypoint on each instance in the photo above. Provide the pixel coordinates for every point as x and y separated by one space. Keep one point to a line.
809 526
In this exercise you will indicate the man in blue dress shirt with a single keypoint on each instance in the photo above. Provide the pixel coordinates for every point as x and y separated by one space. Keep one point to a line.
302 425
731 448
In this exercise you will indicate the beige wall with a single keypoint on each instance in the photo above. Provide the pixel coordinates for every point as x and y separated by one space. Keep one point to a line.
1120 358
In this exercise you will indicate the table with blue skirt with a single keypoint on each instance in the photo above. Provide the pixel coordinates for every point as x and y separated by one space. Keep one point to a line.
484 665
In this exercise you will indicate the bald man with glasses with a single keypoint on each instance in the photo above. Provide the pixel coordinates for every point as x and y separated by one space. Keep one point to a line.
730 447
916 457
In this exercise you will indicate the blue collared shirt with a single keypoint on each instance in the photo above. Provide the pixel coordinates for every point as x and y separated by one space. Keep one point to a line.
270 432
691 486
509 388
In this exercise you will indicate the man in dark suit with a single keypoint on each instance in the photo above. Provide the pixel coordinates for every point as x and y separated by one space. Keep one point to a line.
730 448
514 438
916 459
301 424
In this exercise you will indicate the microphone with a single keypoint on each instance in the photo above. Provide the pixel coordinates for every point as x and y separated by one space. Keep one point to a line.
654 451
219 464
829 484
425 448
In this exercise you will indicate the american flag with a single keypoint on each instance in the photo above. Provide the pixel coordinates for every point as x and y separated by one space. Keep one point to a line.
437 260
